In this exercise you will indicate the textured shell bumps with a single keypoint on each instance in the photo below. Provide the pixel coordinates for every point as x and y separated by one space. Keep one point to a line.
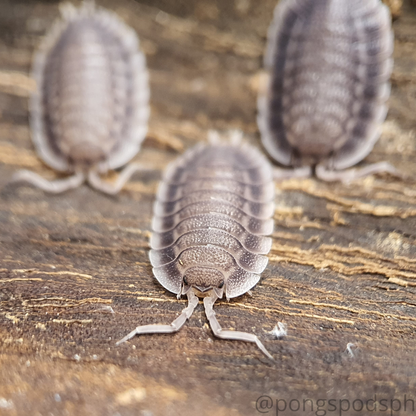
212 214
329 64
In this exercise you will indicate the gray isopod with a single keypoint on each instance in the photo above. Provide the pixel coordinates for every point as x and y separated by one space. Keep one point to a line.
329 63
90 110
211 218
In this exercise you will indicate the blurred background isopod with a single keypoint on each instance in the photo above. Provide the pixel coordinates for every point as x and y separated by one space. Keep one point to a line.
329 64
90 110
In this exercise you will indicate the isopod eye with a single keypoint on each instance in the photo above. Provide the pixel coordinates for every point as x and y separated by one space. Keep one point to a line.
221 285
185 281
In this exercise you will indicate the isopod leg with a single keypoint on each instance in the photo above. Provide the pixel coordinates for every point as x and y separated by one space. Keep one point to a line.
282 174
56 186
232 335
349 175
165 329
97 183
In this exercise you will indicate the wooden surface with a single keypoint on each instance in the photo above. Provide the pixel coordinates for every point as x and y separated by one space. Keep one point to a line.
74 270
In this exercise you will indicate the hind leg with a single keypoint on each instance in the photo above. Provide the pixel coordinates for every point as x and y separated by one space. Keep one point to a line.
56 186
300 173
112 189
348 175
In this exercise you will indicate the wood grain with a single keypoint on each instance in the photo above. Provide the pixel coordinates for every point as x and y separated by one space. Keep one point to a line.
74 270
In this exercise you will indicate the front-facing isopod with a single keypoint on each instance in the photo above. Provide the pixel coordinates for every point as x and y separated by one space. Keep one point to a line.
212 216
90 110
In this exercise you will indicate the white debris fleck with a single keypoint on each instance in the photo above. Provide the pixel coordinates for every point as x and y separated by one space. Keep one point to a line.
280 330
350 348
6 404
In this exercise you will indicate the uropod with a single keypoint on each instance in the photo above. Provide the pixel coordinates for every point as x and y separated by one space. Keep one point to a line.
211 219
90 110
328 66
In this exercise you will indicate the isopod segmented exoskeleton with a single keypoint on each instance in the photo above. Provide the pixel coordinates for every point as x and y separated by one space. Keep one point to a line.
90 110
329 64
211 220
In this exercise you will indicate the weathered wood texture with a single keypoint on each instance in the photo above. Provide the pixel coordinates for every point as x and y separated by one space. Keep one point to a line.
75 275
395 7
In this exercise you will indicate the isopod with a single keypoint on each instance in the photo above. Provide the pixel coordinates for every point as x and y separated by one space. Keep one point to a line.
328 65
90 110
211 220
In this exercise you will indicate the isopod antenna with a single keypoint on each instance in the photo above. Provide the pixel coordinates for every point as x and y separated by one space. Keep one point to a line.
175 326
231 335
